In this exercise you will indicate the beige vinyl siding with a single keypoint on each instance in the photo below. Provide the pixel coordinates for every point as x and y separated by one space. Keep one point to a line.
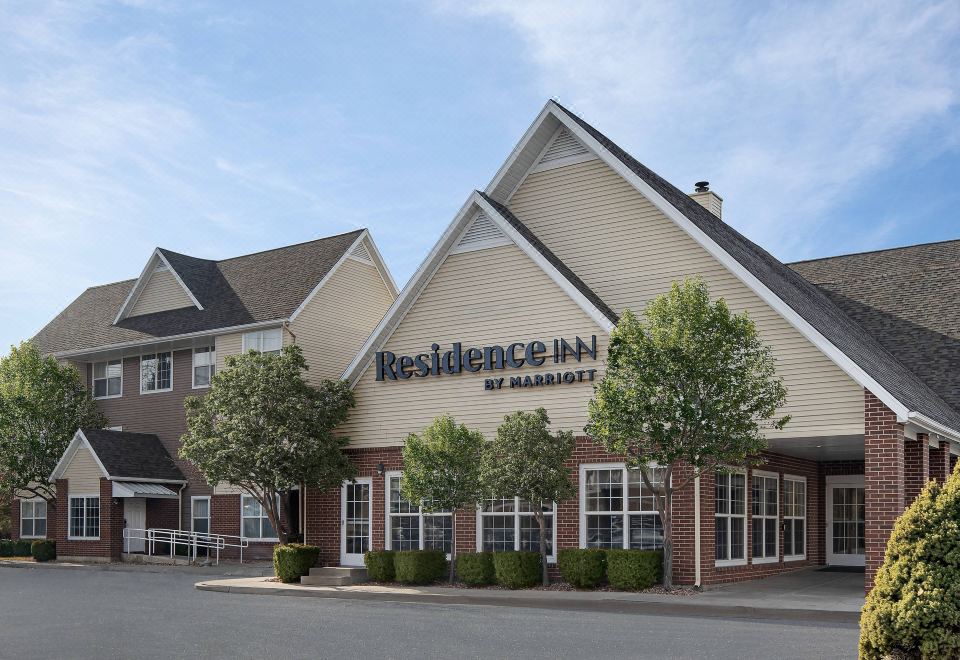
338 319
162 292
627 251
27 495
231 344
486 297
84 474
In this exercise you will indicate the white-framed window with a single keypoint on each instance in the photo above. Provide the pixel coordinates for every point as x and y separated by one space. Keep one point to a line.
263 341
84 523
731 518
156 372
409 528
200 514
204 366
33 519
509 524
108 379
764 530
617 510
794 518
254 523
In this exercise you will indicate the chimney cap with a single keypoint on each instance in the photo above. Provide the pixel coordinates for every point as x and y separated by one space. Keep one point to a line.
701 186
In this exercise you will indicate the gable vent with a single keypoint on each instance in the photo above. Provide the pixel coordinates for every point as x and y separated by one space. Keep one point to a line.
483 233
360 252
564 149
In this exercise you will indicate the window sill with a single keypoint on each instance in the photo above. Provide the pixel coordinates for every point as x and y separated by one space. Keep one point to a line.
112 396
169 389
766 560
794 558
83 538
201 387
726 563
33 538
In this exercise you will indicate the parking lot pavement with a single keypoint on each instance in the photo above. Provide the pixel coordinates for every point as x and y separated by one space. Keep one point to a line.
104 614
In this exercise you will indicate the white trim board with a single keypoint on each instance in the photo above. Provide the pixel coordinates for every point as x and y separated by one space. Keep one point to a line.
79 440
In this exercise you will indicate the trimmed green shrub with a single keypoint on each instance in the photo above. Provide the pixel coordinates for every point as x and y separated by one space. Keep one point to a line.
380 565
419 566
583 568
43 550
913 610
6 548
294 560
475 568
633 570
517 570
21 548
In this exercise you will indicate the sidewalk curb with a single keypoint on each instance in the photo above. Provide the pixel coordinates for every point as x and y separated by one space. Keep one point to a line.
120 568
609 605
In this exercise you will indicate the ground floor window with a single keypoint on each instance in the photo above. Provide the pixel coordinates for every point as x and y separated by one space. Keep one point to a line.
254 521
33 519
505 524
84 517
409 528
730 499
765 510
794 518
619 511
200 514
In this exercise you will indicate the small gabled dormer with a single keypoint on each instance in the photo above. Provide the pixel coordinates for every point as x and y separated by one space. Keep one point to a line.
158 289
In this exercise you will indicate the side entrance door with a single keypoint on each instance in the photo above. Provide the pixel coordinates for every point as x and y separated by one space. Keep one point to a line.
846 516
135 516
356 504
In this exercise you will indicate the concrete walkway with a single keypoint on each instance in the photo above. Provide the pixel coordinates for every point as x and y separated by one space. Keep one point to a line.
826 598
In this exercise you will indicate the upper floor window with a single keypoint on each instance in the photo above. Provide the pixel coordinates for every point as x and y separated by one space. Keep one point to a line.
263 341
204 366
156 372
107 379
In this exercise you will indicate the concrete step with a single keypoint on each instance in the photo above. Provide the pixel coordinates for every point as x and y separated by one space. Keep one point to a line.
334 576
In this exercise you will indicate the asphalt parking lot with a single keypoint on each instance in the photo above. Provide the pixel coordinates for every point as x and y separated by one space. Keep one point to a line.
56 613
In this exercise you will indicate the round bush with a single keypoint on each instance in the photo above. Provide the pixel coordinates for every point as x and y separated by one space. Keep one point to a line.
294 560
517 570
419 566
43 550
6 548
21 548
475 568
633 570
380 565
583 568
913 610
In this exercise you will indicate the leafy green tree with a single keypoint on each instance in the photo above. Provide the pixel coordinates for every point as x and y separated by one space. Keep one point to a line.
441 471
5 502
913 610
694 384
263 428
42 404
527 460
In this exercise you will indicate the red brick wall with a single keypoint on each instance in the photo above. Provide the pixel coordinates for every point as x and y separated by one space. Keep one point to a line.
225 520
916 467
884 479
15 519
940 462
110 543
162 514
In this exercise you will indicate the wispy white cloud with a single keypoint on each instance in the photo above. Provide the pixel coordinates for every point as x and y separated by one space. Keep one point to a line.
786 107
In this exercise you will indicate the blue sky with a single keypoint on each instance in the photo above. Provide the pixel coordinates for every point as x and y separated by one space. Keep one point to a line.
218 129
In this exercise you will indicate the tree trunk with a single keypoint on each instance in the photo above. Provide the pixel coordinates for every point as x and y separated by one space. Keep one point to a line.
453 545
542 523
665 511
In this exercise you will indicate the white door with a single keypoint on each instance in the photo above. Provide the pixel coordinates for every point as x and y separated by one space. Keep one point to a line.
356 504
846 515
135 518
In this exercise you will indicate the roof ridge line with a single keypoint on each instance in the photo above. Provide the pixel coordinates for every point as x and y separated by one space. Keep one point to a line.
855 254
285 247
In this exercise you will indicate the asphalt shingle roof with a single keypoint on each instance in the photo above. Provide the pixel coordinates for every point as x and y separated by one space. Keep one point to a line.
807 300
264 286
132 455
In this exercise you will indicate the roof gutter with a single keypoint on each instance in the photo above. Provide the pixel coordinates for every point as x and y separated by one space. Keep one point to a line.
923 421
158 340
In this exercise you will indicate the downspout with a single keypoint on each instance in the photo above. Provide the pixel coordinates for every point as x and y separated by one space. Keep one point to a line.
286 325
696 531
180 506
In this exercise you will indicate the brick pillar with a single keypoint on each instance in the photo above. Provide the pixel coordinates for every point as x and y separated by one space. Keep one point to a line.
111 520
916 467
57 529
883 479
15 518
940 462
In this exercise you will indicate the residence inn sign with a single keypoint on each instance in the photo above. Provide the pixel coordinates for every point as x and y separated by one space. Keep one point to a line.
492 358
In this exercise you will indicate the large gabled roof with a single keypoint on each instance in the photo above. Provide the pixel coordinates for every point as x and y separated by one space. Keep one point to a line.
254 288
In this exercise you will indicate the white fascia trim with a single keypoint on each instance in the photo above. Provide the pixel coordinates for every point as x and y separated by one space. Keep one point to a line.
802 325
404 300
926 423
329 274
162 340
521 147
79 440
382 266
563 162
142 281
591 310
140 480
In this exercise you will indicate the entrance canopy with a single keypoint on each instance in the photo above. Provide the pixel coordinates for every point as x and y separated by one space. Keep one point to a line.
133 489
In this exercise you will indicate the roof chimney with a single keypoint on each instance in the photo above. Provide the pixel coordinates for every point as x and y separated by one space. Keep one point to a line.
706 198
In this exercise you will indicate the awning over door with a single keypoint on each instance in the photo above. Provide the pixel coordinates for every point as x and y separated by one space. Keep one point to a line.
134 489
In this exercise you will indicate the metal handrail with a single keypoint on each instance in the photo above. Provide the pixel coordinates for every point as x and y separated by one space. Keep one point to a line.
193 540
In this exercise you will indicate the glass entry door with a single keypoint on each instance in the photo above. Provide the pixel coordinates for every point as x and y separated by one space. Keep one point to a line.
846 516
355 527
